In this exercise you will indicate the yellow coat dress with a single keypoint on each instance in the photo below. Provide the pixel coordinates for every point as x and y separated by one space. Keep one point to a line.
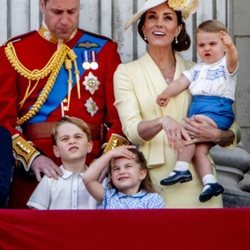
137 85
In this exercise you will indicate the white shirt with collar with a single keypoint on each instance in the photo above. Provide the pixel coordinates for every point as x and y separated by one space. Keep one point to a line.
67 192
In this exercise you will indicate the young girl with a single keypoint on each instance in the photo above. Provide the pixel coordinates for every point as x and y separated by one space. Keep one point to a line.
72 143
212 86
131 186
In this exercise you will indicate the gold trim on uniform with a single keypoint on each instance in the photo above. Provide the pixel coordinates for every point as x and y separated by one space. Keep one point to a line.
91 106
115 140
53 67
47 35
23 151
91 83
50 70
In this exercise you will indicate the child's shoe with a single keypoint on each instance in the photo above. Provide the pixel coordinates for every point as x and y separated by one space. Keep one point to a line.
177 176
214 189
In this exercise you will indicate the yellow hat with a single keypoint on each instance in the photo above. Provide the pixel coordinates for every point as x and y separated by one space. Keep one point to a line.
187 7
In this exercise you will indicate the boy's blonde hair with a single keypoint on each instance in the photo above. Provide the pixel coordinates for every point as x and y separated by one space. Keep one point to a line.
73 120
212 26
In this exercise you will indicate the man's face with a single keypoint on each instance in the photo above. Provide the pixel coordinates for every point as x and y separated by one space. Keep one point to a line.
61 16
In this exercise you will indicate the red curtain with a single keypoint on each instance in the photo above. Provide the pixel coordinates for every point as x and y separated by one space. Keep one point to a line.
125 229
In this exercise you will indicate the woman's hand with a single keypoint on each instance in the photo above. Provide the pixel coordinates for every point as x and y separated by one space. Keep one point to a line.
176 133
201 130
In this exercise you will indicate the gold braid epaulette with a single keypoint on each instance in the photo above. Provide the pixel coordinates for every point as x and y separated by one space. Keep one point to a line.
53 66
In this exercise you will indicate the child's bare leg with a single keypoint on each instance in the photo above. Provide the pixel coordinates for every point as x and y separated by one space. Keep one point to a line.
207 119
181 171
201 162
204 170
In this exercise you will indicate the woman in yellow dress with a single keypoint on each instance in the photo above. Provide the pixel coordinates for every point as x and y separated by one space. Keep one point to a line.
159 131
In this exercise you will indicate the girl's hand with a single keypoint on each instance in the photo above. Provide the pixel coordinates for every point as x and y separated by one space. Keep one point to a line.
122 151
176 133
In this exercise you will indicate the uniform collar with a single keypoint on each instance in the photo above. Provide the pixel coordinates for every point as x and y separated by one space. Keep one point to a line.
47 35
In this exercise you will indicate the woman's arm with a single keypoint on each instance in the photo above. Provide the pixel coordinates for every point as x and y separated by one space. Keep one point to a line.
149 129
175 131
226 138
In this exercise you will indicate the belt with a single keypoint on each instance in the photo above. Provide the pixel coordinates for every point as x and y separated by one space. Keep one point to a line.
43 130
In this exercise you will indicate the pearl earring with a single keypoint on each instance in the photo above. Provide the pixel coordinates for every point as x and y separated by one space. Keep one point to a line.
176 40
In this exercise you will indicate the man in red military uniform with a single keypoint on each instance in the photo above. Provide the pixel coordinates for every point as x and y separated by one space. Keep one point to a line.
59 70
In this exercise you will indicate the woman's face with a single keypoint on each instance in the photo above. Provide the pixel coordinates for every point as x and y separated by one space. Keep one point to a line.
161 27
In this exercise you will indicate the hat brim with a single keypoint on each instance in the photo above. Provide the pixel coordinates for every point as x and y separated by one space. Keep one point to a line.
147 5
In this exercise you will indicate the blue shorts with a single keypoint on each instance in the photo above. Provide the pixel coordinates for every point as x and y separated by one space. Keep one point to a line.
219 109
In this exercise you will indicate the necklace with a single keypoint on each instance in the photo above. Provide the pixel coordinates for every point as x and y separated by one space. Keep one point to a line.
167 80
168 72
167 67
168 76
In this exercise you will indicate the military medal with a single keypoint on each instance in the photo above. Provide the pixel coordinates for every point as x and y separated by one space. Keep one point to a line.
91 106
86 64
93 65
91 83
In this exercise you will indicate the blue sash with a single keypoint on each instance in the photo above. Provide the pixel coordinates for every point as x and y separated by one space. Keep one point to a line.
60 88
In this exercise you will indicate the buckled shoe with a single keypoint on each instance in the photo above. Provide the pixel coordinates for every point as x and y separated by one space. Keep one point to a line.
214 189
179 176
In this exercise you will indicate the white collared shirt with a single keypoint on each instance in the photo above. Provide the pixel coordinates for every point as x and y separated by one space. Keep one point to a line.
67 192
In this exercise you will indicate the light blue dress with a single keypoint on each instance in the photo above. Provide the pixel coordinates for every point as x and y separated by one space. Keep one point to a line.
114 199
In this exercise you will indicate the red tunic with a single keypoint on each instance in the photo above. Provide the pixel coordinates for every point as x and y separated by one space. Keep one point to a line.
34 52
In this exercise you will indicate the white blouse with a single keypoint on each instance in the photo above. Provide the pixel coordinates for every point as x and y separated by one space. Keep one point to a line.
212 79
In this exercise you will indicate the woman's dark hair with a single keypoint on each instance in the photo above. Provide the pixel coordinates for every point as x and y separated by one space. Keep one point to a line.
183 38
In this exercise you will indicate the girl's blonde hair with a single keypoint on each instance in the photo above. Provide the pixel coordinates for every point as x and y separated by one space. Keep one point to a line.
73 120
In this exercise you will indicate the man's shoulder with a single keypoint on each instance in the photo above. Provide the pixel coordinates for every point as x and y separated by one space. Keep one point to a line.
96 35
21 37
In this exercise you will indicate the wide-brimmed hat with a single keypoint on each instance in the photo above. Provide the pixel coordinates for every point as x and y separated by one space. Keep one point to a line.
187 7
